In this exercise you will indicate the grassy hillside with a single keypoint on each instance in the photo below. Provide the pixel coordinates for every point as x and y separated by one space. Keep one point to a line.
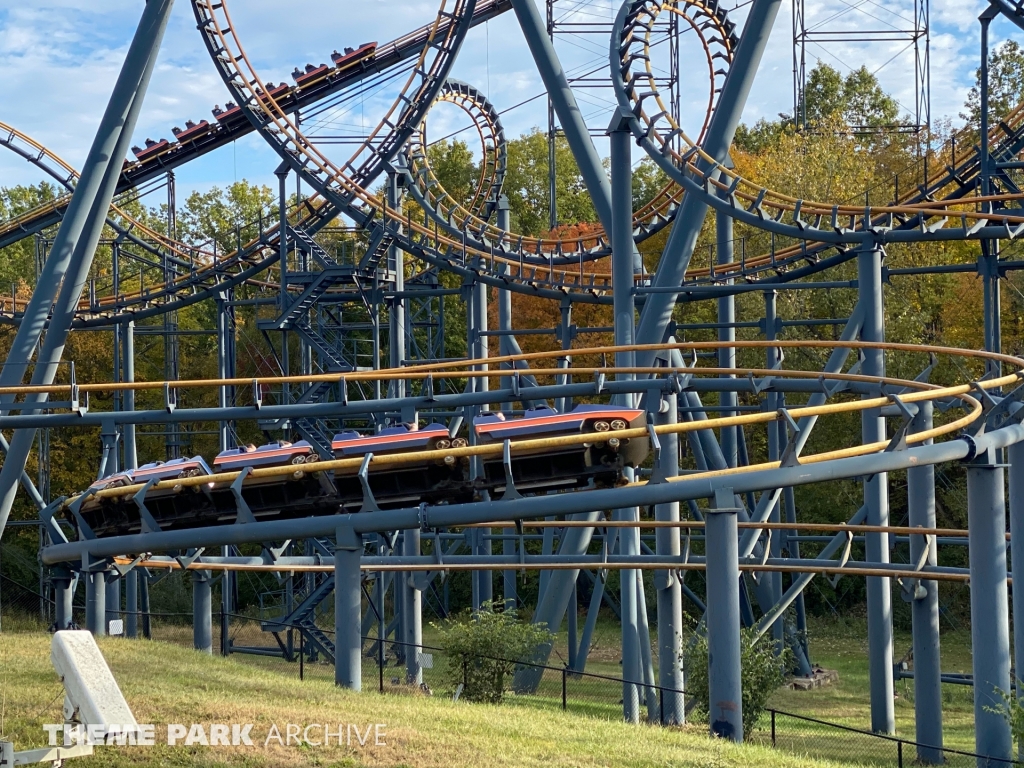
168 684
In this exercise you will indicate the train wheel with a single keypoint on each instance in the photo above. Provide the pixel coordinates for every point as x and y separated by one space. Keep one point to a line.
602 426
298 459
460 442
619 424
442 444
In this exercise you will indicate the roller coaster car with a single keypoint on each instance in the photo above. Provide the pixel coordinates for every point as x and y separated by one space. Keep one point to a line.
432 480
192 129
552 467
270 455
300 494
312 73
232 110
353 56
172 507
151 148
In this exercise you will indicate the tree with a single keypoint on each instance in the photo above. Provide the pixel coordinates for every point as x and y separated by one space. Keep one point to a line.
830 101
17 265
452 164
1005 84
526 184
225 215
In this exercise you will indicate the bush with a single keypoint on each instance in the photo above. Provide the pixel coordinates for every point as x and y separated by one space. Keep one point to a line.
762 673
484 648
1012 711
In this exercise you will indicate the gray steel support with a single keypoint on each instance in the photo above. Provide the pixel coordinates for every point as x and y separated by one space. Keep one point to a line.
876 498
223 350
564 102
990 629
726 335
725 688
75 245
508 583
776 445
643 633
657 312
629 545
227 592
1015 457
131 604
925 607
113 599
147 628
412 612
96 602
396 313
348 550
202 611
62 599
554 601
131 455
623 262
669 590
987 263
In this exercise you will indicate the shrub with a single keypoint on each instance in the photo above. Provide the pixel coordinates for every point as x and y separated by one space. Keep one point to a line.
1012 711
762 673
484 648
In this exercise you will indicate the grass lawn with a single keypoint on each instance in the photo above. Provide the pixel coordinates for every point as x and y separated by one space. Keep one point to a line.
835 644
166 683
842 645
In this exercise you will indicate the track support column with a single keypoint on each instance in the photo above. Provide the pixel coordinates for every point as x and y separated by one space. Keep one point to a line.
670 595
1015 456
348 617
113 598
202 611
412 611
990 630
62 598
924 603
96 601
131 604
723 618
876 498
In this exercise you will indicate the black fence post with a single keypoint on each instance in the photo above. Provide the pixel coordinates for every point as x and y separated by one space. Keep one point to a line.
380 664
773 727
899 754
564 697
302 655
465 674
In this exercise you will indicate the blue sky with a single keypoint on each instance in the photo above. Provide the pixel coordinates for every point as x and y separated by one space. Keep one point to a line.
59 60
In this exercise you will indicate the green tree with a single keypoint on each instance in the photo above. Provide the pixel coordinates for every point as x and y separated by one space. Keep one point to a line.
17 261
830 101
453 165
1005 84
225 215
526 184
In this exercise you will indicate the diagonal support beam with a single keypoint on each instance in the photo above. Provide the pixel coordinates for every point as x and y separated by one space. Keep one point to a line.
564 102
75 245
657 312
